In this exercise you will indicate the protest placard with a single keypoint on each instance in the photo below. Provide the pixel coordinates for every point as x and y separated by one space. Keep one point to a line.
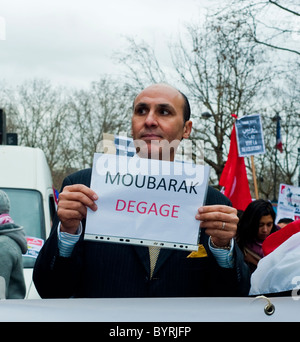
146 202
249 135
288 202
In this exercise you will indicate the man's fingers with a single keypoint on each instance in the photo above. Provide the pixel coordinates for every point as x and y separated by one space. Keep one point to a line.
74 196
220 222
80 188
219 225
219 218
72 206
75 200
218 208
217 214
221 235
72 215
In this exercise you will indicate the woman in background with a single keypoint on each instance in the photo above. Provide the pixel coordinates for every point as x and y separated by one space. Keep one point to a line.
255 225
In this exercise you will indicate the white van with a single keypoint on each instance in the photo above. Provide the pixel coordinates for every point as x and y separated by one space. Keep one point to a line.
25 177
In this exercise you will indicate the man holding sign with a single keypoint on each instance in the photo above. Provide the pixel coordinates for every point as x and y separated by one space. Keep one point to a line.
69 266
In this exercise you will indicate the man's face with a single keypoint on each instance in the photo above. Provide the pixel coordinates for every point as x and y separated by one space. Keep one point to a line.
158 121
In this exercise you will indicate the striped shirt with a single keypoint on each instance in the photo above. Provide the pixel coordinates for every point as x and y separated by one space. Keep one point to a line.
66 241
224 257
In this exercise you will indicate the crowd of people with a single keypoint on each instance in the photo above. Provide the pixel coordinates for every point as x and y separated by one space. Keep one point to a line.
270 250
234 254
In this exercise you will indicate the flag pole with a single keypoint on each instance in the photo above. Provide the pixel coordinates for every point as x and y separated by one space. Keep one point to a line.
278 145
275 177
254 177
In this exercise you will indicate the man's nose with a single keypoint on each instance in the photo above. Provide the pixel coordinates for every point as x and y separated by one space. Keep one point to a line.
151 119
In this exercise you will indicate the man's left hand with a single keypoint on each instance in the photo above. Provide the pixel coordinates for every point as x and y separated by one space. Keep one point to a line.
220 222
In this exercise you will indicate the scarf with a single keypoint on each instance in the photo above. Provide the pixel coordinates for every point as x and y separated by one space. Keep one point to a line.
5 218
256 247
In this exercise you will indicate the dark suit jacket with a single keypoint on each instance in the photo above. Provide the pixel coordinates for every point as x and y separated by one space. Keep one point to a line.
103 269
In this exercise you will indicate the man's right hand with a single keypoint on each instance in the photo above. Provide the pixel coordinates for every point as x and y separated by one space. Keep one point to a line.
72 206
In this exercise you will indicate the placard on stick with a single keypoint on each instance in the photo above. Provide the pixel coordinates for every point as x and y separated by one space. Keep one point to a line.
146 202
249 134
250 139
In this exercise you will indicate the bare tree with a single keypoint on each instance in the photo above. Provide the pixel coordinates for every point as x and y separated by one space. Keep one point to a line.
104 108
273 24
224 73
67 125
36 111
141 63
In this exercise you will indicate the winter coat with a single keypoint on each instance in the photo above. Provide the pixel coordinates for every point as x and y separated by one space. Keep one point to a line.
12 245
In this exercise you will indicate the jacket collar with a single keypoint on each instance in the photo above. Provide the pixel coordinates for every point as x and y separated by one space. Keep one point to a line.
143 254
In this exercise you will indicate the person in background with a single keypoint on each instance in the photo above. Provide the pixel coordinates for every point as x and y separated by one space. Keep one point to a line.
284 221
277 274
12 245
255 225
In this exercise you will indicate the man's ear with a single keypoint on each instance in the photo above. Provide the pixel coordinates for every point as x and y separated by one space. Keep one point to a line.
187 129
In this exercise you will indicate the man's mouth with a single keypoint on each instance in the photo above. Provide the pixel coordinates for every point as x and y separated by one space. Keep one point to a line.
150 136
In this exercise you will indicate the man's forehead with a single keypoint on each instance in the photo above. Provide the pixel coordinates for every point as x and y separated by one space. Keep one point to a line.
159 93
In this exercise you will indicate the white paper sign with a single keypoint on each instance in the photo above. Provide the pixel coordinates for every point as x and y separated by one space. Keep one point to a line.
288 202
146 202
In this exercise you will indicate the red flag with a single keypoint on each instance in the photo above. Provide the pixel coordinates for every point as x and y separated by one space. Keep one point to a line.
234 177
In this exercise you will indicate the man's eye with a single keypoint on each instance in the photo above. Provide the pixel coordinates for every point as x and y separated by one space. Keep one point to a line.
164 112
141 111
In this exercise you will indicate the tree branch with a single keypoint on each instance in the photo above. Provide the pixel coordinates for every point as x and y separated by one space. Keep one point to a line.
275 47
284 8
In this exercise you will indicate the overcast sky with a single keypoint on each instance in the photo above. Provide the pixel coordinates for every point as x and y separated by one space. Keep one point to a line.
71 41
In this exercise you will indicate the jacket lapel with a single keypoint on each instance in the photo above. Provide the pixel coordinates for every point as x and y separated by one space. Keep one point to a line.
164 254
143 255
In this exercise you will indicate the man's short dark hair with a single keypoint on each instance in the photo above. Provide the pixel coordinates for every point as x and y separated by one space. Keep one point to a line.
285 220
186 108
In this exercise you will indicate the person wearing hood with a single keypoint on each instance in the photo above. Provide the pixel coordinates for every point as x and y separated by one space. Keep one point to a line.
12 245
